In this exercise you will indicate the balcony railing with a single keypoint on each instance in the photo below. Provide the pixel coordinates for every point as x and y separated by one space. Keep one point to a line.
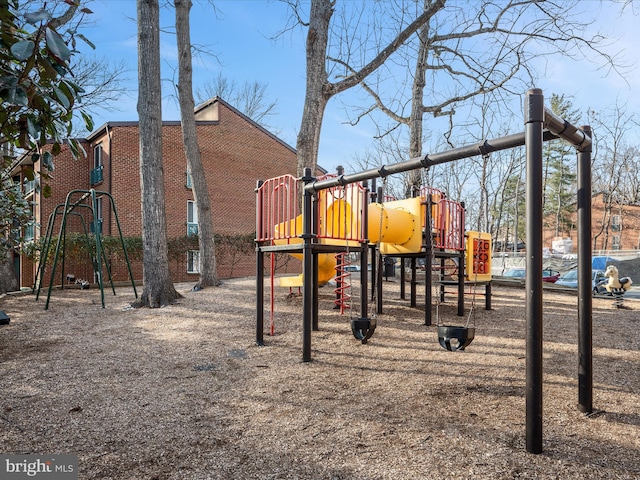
29 186
97 175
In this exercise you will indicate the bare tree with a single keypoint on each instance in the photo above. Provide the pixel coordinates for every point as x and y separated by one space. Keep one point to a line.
481 49
615 170
208 275
250 98
158 289
319 88
102 81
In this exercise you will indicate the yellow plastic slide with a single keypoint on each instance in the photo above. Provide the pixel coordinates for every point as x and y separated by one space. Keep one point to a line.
326 271
338 222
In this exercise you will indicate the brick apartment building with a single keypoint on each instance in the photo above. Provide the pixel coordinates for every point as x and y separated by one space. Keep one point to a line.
236 152
615 226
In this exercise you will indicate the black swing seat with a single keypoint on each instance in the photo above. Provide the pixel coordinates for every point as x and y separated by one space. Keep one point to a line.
462 335
363 328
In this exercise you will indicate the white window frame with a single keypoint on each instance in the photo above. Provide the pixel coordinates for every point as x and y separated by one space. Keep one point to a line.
192 216
615 242
97 156
189 180
616 223
98 211
193 261
29 233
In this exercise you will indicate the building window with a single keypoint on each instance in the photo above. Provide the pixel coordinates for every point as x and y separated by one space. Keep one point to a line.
192 218
29 186
193 261
615 242
97 174
29 232
97 156
96 225
98 211
188 182
616 223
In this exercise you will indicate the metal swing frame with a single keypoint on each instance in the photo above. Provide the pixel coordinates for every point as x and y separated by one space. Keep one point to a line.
541 125
69 209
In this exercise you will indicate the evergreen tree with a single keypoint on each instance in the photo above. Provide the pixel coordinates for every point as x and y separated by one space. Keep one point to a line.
559 182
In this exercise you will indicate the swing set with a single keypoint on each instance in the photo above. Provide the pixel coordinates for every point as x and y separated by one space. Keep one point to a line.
87 202
311 235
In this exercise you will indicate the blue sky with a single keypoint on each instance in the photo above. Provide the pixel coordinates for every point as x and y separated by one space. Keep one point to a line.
240 37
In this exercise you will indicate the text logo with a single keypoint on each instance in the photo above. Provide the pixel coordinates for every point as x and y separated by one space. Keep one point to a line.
52 467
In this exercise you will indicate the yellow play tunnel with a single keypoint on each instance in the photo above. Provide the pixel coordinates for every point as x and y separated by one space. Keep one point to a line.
397 226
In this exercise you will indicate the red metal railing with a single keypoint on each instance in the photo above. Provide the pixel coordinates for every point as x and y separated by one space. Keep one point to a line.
447 219
278 215
448 225
341 213
277 207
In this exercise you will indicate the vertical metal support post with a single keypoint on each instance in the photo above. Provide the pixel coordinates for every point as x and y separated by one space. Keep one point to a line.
307 268
315 213
461 273
379 281
428 263
487 296
259 296
534 120
414 281
373 253
259 269
585 321
403 278
364 256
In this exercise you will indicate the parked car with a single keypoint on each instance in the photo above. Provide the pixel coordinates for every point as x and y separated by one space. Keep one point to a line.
600 287
501 246
515 273
548 275
570 279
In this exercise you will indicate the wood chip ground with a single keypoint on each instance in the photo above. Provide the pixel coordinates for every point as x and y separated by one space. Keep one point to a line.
183 392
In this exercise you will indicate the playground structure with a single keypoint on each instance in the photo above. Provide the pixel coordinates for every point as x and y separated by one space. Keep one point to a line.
540 125
397 229
87 202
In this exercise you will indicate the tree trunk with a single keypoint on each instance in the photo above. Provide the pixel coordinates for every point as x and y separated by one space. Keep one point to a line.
315 100
208 274
158 289
8 280
417 112
318 88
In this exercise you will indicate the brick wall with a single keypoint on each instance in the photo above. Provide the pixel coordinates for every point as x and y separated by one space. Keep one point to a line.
235 153
603 229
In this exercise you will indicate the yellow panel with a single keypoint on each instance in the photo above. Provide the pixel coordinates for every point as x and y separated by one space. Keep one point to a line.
478 257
